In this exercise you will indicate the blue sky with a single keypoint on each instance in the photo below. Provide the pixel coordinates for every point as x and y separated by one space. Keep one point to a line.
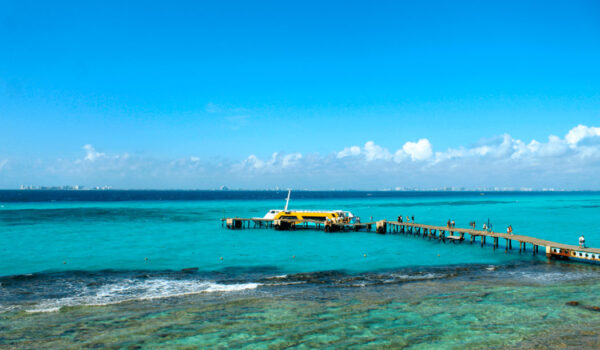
199 94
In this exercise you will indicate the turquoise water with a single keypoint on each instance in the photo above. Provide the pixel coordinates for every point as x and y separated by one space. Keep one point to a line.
60 236
110 272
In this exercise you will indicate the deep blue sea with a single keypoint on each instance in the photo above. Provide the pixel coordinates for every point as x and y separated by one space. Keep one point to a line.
157 268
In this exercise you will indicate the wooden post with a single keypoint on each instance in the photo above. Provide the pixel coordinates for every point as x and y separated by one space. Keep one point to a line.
520 247
506 249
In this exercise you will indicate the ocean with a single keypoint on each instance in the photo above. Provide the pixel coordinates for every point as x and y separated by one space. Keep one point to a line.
156 269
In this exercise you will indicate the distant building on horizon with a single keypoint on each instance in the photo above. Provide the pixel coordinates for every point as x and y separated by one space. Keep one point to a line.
64 188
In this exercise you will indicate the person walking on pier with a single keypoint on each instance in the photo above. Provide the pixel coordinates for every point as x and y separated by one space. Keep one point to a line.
412 218
399 218
581 242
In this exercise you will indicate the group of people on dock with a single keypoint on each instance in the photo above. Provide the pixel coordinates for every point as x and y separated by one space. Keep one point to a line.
408 218
488 228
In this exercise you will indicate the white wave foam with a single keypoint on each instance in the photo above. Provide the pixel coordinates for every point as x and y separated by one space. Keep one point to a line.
131 290
230 287
426 276
49 309
551 277
7 308
288 283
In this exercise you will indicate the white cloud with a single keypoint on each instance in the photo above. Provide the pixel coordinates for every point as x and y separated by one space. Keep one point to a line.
277 162
416 151
375 152
555 147
91 154
351 151
253 162
291 159
420 150
581 132
571 161
370 152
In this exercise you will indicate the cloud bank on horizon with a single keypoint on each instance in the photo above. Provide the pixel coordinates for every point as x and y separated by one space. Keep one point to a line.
569 162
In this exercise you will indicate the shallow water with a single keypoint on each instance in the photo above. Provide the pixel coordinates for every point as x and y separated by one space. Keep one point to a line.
109 273
502 307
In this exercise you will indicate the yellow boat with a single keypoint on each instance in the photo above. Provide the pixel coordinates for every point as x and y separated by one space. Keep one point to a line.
339 216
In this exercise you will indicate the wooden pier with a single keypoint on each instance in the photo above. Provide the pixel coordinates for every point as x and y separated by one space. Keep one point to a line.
441 233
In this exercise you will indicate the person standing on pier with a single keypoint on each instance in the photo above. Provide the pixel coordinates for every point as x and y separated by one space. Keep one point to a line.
412 218
399 218
581 242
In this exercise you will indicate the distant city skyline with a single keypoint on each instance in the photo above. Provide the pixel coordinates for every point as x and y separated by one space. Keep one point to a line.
225 188
315 95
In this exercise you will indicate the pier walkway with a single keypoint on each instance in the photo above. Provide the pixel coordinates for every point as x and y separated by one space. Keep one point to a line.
441 233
